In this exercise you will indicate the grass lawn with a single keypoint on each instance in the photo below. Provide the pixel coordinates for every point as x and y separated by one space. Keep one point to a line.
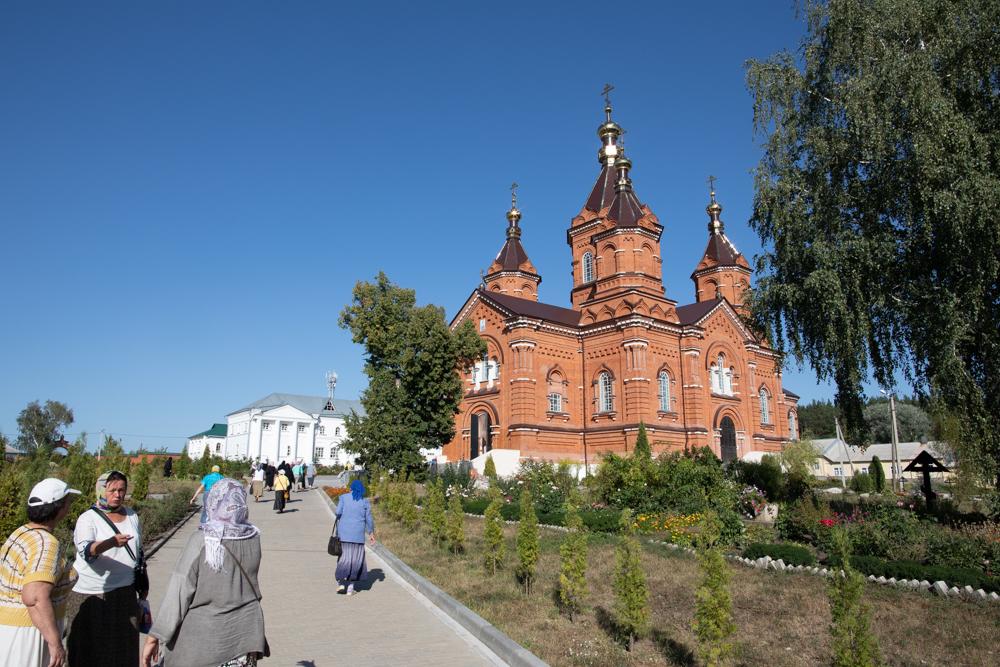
783 619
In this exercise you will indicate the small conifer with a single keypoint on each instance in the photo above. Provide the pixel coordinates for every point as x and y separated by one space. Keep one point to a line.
409 515
631 595
573 573
878 474
854 644
456 524
490 469
140 485
183 464
434 511
713 618
493 555
642 452
527 542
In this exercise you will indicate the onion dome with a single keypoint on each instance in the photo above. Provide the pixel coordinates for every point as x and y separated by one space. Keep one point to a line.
715 225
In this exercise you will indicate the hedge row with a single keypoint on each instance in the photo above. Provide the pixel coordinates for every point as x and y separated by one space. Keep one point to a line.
910 569
788 553
596 522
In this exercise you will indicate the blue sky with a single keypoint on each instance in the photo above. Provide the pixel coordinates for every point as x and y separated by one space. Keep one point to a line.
189 191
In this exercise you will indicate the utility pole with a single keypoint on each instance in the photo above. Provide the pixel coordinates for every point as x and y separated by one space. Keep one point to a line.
895 447
100 444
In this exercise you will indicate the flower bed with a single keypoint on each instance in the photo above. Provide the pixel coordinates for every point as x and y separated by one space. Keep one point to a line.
674 529
336 492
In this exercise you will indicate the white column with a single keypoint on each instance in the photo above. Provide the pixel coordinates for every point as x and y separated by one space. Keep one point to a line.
295 425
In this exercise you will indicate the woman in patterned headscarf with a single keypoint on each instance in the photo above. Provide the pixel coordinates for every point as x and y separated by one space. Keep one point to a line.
211 614
108 538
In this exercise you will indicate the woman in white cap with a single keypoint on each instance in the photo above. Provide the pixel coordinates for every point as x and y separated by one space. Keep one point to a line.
35 581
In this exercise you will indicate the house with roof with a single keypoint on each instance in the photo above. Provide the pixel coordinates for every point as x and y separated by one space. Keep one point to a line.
214 438
839 459
290 427
573 382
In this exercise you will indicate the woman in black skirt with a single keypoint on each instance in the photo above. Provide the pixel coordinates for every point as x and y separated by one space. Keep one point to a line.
280 486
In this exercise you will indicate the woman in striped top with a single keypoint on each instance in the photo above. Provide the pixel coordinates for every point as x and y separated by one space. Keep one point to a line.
35 581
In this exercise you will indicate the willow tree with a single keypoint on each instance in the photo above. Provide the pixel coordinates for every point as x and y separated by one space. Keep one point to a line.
878 204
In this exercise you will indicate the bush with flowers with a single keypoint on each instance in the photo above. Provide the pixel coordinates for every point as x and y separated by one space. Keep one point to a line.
672 528
752 502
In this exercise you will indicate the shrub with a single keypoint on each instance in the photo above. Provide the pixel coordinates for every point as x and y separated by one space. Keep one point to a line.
751 502
456 525
140 485
409 515
878 474
790 554
573 570
862 482
908 569
13 507
527 543
954 550
493 535
854 644
801 519
713 618
434 511
631 595
490 469
765 476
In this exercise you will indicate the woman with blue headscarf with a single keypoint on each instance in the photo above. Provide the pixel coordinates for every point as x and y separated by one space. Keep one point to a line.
354 516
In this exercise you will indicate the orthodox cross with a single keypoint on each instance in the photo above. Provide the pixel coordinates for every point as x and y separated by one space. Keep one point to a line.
622 140
513 193
711 183
481 279
607 90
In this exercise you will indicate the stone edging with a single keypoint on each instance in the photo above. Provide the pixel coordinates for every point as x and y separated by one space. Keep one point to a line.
939 588
506 648
163 540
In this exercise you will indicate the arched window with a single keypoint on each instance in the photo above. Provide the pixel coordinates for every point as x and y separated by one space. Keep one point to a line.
793 433
664 392
713 376
605 392
764 412
555 402
588 266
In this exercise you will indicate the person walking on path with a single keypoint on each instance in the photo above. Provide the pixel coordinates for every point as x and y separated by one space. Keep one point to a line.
354 517
108 538
269 472
206 484
168 467
211 614
258 483
35 581
311 473
281 485
297 476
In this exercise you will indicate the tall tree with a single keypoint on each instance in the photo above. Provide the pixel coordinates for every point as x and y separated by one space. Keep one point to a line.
412 361
878 203
911 422
39 428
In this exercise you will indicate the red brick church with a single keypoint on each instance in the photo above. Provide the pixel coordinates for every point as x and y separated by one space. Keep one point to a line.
571 382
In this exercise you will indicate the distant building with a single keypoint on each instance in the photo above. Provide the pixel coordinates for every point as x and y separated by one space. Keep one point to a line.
10 453
289 427
214 438
836 460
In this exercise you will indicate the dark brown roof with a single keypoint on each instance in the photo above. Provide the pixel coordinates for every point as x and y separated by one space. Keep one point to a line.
721 249
512 255
626 209
531 308
791 394
693 312
604 190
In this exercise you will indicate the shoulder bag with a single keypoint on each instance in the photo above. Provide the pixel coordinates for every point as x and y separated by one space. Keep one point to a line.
140 577
335 547
267 647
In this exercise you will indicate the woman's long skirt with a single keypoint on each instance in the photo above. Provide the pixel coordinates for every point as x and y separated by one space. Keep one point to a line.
268 481
351 565
105 631
258 489
279 500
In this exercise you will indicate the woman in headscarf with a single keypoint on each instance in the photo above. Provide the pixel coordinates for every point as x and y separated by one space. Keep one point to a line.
354 515
281 485
108 539
211 614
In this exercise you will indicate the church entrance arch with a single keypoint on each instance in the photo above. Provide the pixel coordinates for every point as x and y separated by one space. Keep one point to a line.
728 448
480 440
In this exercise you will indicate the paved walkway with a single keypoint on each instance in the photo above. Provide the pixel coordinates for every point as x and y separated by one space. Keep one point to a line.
308 624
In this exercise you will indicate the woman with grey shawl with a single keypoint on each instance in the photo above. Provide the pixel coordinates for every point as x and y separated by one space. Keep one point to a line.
211 614
354 517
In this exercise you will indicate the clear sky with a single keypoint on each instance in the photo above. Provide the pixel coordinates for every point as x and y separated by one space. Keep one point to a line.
189 190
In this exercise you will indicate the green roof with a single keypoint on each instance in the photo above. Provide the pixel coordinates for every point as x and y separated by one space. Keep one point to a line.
217 431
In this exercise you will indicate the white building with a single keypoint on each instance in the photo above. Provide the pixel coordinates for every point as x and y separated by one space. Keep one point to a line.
214 438
289 427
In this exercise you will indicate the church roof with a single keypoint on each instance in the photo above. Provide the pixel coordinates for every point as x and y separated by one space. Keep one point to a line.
603 192
693 312
790 394
512 255
626 209
722 250
311 405
217 431
532 308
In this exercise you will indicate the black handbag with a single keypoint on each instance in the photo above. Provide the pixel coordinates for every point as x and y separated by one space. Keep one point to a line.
335 548
140 577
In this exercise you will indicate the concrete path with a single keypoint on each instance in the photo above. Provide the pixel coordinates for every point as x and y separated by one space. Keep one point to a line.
308 624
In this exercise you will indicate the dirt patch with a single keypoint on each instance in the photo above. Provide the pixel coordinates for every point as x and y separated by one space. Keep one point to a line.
783 619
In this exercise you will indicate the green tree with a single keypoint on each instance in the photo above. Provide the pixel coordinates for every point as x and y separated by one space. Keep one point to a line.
204 464
13 508
911 422
713 618
39 428
113 457
490 469
140 484
878 474
854 644
410 516
642 452
573 571
82 476
456 524
434 511
818 419
493 555
527 542
412 360
631 595
878 208
183 465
